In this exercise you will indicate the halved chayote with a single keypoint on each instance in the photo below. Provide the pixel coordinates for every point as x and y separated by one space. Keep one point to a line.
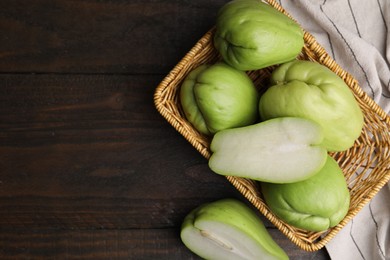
228 229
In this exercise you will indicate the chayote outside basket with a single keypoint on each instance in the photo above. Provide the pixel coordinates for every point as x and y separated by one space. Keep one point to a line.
366 165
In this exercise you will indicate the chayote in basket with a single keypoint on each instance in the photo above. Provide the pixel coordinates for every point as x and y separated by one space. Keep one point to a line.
310 90
315 204
252 35
279 150
218 96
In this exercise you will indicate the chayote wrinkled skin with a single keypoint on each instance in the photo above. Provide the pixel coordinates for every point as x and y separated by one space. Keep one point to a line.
315 204
310 90
252 35
216 97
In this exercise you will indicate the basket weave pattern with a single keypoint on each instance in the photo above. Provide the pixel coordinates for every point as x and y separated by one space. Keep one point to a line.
366 165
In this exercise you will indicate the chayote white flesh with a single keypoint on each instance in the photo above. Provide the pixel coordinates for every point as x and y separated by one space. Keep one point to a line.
228 229
280 150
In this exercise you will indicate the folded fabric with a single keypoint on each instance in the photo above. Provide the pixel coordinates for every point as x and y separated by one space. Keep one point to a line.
355 34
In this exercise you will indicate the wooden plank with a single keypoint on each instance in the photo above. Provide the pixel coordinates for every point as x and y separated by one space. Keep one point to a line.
92 151
113 244
45 104
100 36
93 244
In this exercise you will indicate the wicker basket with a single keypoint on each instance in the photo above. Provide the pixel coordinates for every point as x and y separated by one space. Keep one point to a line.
366 165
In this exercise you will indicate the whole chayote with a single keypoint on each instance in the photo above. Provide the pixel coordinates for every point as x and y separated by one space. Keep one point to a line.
218 96
316 204
252 35
310 90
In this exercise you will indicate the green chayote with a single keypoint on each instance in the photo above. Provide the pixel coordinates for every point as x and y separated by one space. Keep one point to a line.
218 96
314 204
310 90
252 35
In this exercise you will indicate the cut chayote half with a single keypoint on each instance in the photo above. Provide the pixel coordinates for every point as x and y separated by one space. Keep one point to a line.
228 230
280 150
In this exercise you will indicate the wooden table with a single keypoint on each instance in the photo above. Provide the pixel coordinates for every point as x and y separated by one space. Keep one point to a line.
88 168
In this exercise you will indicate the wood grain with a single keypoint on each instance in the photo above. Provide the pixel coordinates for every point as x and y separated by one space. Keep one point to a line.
100 36
109 244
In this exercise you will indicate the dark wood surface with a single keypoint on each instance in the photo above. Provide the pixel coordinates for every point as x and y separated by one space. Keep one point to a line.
88 168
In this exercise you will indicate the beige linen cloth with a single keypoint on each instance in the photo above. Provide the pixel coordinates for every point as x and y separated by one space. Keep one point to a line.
356 34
